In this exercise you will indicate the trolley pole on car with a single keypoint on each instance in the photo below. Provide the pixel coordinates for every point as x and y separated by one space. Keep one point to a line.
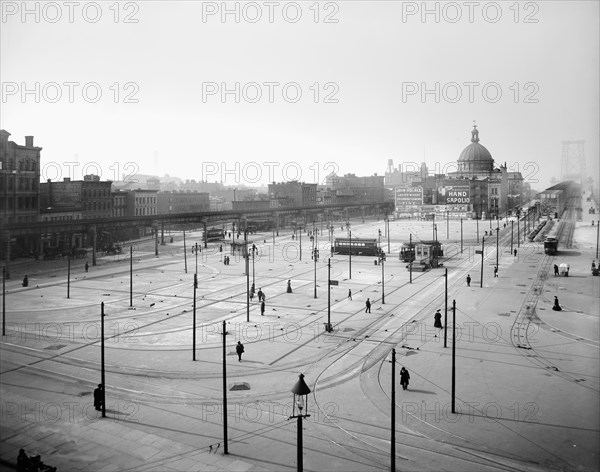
453 355
225 450
446 308
393 415
482 255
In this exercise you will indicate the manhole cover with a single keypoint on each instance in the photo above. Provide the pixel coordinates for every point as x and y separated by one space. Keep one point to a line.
240 386
55 347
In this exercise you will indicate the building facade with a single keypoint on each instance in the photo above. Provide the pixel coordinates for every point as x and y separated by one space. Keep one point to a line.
182 202
19 191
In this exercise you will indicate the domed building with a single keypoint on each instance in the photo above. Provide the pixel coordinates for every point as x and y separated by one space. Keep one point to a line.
477 186
475 158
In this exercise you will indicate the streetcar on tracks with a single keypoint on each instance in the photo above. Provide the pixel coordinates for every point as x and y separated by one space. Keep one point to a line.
551 246
213 234
356 246
408 250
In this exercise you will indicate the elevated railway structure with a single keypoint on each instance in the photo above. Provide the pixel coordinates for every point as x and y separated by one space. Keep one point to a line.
28 239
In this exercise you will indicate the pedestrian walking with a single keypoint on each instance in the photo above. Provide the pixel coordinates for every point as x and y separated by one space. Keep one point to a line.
260 294
515 253
87 266
468 280
495 271
25 281
438 320
98 397
350 292
555 270
289 287
567 271
404 378
240 350
368 306
262 308
556 306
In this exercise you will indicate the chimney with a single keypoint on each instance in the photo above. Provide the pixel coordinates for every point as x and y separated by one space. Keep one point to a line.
29 141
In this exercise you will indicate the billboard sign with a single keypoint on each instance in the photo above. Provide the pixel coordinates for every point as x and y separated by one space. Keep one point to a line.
458 194
409 196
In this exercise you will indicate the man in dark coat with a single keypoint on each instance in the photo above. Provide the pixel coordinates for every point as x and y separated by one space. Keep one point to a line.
438 320
240 350
368 306
468 280
98 397
289 287
262 308
404 378
556 306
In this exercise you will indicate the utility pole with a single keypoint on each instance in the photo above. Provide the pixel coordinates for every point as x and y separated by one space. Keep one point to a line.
482 255
69 266
130 276
410 257
446 307
393 415
3 301
102 377
497 242
512 225
194 326
453 354
225 450
461 235
184 252
329 295
247 262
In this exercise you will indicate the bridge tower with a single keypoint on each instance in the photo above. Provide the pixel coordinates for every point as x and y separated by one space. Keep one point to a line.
573 161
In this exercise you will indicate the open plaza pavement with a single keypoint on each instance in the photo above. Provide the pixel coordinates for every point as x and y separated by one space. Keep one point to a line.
527 378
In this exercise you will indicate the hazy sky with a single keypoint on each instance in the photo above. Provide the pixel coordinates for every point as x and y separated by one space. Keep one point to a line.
322 86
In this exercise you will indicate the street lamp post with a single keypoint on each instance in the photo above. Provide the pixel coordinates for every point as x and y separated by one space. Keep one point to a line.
300 391
184 252
225 450
328 328
247 265
461 235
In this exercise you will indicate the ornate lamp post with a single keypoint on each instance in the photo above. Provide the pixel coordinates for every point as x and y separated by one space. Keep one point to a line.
300 392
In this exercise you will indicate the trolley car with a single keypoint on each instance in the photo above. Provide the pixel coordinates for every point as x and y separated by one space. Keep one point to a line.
356 246
551 246
214 234
407 251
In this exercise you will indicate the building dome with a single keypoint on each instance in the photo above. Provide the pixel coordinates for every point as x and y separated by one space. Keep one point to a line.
475 157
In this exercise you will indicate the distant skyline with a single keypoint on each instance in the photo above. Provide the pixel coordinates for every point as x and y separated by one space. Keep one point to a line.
328 86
